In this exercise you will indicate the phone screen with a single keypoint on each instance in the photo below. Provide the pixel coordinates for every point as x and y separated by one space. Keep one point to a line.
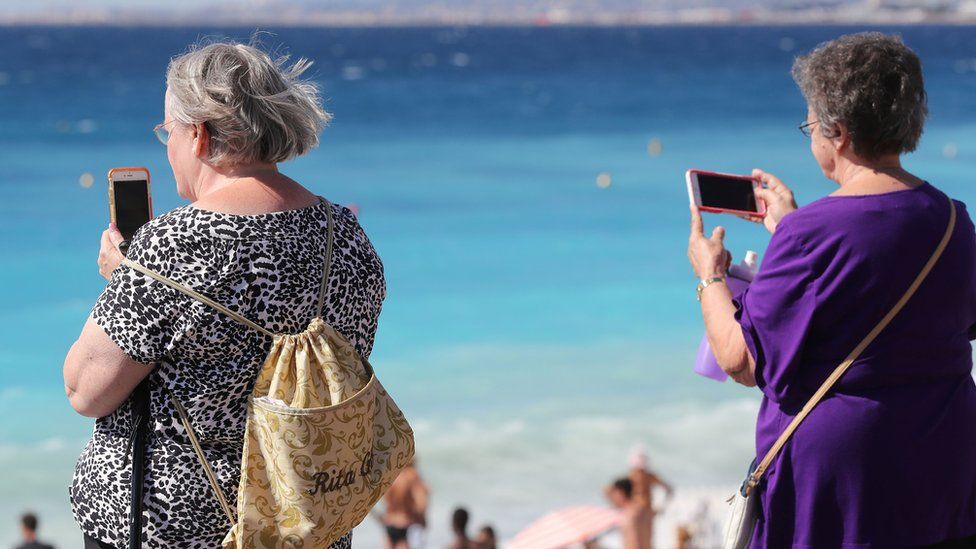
131 206
728 193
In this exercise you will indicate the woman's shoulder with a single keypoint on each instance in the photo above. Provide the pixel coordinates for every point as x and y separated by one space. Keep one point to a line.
184 245
163 235
190 235
190 222
284 224
172 223
180 228
350 235
837 214
867 226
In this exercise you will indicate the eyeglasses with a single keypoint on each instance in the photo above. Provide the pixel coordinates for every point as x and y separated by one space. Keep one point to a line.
162 133
806 128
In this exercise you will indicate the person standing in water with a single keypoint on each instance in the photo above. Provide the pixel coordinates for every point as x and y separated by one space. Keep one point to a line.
633 496
459 524
486 538
406 510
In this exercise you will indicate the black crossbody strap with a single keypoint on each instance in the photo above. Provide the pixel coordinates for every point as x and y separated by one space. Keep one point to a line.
139 405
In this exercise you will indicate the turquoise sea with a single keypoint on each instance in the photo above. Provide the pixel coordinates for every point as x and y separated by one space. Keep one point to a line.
538 326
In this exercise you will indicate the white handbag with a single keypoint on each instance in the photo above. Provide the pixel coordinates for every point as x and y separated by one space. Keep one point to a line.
742 521
745 502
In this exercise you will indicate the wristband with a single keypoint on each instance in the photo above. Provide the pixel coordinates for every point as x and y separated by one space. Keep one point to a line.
706 282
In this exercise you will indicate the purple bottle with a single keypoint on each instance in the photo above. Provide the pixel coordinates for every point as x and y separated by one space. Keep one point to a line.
738 280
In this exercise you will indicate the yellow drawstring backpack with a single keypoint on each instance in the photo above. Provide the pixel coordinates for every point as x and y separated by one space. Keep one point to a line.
323 440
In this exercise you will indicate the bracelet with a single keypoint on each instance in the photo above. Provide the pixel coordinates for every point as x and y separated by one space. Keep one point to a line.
706 282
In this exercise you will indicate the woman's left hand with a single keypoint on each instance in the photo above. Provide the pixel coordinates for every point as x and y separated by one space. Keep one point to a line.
707 255
109 256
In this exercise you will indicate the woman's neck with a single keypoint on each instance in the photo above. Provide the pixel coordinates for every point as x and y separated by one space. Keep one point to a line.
215 179
250 190
874 177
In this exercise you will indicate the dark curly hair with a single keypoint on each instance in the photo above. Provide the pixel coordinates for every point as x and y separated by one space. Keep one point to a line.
872 84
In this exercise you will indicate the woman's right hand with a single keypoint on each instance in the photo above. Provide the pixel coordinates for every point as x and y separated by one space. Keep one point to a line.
110 256
777 196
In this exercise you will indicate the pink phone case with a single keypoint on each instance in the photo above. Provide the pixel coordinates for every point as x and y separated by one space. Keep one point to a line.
691 194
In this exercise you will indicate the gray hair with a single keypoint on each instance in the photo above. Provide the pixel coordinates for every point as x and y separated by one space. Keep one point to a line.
872 84
256 109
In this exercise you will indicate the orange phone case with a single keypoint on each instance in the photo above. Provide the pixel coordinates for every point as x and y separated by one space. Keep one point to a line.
111 189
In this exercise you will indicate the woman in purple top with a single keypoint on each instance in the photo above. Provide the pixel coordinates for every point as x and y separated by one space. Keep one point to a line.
888 458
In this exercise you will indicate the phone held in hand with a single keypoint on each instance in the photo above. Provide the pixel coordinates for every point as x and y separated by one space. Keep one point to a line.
724 193
129 200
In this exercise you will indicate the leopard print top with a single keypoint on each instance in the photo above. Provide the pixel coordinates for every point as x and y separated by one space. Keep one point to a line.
266 267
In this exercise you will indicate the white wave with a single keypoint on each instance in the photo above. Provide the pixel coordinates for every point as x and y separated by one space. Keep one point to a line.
510 472
23 452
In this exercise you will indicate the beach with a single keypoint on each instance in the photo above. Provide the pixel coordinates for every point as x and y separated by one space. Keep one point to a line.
524 188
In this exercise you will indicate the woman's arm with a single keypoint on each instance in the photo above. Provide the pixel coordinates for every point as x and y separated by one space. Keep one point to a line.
98 375
710 259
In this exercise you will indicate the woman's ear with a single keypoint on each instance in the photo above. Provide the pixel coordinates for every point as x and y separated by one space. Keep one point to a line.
842 139
201 141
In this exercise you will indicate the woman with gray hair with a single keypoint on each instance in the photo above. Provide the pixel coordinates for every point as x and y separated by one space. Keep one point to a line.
888 457
253 240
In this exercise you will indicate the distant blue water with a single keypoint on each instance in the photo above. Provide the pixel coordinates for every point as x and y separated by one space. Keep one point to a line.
537 326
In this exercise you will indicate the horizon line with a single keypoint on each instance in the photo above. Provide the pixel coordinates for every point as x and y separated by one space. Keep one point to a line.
424 23
477 18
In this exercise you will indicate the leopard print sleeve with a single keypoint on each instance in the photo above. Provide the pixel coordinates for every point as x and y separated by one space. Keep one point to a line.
144 317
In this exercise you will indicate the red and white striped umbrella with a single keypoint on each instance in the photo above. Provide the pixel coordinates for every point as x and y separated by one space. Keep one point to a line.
565 527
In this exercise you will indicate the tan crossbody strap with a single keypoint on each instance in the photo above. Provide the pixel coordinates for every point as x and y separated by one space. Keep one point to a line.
839 371
196 295
207 470
323 285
